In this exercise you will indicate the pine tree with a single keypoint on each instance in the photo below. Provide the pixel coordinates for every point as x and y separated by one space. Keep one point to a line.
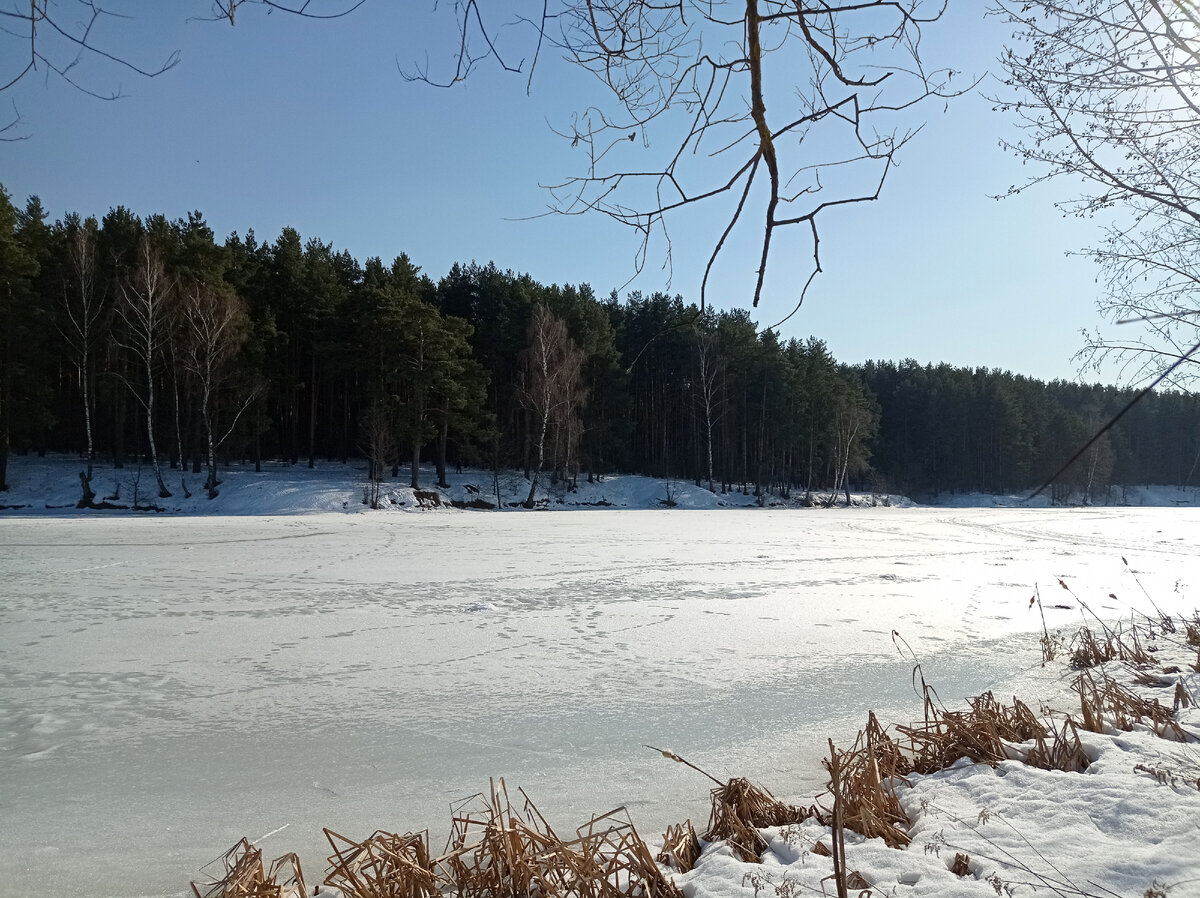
18 267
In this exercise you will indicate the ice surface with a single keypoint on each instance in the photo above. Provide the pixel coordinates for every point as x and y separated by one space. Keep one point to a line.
168 685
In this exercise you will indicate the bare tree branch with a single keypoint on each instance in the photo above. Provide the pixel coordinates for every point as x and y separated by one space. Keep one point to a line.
1108 91
58 35
690 83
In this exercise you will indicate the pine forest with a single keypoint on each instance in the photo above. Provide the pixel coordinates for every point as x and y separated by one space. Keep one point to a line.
147 340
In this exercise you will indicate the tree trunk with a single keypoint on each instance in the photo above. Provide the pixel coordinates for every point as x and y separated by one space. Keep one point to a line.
87 417
119 415
210 484
496 468
442 440
312 415
541 457
178 428
163 492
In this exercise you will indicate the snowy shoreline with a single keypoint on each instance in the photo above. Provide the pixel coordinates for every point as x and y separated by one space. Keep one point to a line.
50 486
1124 824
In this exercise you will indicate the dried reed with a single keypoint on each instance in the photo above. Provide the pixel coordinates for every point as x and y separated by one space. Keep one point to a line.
610 860
245 877
681 847
1182 698
499 851
863 788
1058 749
740 809
1049 643
384 865
1106 700
1192 630
1087 650
979 733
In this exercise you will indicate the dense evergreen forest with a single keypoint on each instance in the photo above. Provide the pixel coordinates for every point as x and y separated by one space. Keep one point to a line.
147 340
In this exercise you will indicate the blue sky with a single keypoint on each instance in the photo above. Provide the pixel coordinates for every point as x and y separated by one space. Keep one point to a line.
279 121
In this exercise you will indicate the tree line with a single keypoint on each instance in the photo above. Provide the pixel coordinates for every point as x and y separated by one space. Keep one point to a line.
145 340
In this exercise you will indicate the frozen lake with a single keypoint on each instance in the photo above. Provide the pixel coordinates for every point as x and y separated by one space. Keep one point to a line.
169 685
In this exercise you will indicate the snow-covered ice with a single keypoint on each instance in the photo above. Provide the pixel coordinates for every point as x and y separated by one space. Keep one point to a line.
169 684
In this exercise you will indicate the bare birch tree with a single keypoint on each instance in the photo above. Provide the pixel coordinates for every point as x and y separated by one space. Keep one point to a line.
215 322
552 386
378 427
709 370
84 307
145 310
852 417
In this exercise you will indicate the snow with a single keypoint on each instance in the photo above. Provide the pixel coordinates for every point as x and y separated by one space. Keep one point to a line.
51 486
172 682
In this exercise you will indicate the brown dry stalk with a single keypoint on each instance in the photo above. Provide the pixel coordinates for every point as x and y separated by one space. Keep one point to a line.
1049 643
498 851
681 847
1192 629
961 865
864 789
1058 749
1182 698
1088 650
1106 700
837 827
384 865
245 877
740 809
979 733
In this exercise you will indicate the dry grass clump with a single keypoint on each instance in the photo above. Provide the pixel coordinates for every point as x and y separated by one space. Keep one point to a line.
1182 698
1058 749
681 847
610 860
498 851
493 848
1106 700
864 789
245 877
979 733
1192 630
1088 650
740 809
865 794
384 865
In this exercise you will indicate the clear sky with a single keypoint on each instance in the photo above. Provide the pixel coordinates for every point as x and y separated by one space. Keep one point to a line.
280 121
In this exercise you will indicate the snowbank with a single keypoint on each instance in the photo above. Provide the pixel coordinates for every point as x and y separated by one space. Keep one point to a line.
51 486
1125 825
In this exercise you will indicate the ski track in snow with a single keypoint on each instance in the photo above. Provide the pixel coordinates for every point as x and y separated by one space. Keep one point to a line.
168 685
